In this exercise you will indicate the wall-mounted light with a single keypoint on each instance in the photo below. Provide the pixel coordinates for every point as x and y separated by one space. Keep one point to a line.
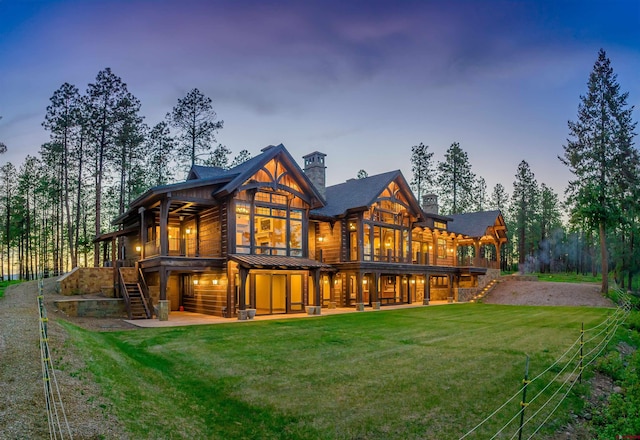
214 281
188 231
413 281
138 248
364 281
195 282
320 238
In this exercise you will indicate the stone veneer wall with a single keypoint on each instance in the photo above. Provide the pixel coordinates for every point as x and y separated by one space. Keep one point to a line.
465 294
95 308
86 281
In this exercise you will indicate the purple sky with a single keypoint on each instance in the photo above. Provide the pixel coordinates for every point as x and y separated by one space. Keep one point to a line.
359 81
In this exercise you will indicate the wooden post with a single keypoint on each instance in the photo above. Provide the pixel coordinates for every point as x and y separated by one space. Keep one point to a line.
359 300
164 227
143 232
374 289
427 289
242 300
523 403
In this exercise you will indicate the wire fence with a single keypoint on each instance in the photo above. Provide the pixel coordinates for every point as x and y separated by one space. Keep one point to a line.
552 386
56 416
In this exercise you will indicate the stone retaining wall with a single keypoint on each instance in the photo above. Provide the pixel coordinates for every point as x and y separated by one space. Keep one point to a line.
94 308
87 280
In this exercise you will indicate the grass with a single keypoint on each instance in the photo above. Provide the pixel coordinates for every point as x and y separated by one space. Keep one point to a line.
568 277
5 284
413 373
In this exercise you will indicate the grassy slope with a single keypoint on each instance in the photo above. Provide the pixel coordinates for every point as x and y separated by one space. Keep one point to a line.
4 285
429 372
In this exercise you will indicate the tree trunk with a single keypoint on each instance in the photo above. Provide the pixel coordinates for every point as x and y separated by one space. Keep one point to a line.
605 259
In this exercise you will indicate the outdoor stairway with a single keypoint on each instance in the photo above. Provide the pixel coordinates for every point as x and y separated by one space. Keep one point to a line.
133 289
485 290
137 305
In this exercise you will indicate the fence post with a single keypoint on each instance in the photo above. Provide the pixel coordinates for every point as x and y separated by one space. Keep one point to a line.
581 354
523 403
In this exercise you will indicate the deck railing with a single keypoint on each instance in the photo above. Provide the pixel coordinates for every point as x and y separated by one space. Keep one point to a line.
180 247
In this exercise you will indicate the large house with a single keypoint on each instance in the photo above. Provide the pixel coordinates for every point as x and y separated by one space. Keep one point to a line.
267 237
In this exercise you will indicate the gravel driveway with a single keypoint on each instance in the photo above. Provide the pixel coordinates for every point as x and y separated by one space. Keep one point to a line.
22 401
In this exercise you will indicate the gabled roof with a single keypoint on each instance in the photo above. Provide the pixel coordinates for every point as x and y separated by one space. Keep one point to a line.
225 182
361 193
473 224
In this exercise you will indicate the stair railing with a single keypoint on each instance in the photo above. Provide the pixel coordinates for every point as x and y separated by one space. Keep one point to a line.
146 297
125 294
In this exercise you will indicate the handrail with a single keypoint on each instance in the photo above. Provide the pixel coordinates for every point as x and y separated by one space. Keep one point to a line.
146 298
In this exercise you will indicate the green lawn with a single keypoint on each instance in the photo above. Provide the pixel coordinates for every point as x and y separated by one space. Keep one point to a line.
568 277
428 372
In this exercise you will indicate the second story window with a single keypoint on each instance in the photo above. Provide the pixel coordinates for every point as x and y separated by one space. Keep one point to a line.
275 229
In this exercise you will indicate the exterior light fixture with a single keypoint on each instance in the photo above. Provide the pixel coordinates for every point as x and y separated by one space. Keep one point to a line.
413 281
214 281
195 282
188 231
138 248
364 281
321 239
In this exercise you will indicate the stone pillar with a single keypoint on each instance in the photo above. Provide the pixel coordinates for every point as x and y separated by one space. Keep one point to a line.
163 310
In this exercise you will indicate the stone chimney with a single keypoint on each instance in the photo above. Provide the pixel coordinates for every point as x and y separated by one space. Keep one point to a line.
430 203
315 170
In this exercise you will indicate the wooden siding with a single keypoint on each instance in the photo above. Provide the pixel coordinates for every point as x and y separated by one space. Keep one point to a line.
206 297
210 233
331 239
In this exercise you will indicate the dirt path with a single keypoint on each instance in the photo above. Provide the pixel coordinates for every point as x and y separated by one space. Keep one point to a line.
544 293
22 403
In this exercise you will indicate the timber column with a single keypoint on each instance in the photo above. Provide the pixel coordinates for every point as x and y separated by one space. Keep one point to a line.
359 301
427 289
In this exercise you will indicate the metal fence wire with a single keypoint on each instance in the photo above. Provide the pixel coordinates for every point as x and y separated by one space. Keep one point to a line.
534 413
56 415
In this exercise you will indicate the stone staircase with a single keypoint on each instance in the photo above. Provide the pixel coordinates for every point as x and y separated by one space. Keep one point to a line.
485 290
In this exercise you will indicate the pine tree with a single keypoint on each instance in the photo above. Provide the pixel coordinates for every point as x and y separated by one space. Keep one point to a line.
104 98
421 169
456 181
600 154
524 203
241 157
195 120
161 150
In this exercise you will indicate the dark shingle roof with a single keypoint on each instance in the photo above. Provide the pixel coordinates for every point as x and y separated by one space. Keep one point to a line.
473 224
354 193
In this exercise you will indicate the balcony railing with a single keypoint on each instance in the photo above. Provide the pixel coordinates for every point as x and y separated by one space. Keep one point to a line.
180 247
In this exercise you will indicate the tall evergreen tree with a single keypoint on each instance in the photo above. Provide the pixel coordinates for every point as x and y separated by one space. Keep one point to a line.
599 154
524 202
422 170
104 98
499 198
456 181
195 120
161 149
61 120
8 182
